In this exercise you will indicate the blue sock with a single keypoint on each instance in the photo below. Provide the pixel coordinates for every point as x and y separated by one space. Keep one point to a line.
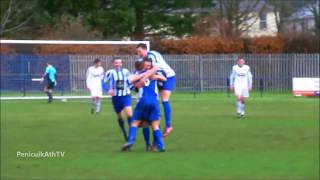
167 113
132 134
158 135
129 121
154 142
146 136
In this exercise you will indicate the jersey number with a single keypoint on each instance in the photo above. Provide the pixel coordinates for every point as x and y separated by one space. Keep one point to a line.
147 82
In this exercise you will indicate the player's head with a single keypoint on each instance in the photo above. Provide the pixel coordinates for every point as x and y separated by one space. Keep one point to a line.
142 50
117 63
97 62
48 64
241 61
139 65
147 63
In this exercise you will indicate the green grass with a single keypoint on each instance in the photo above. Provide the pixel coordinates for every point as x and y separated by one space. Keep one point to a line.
279 139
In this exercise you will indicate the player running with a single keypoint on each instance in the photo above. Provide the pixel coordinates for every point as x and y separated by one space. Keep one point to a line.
147 109
95 75
50 77
241 83
167 87
119 89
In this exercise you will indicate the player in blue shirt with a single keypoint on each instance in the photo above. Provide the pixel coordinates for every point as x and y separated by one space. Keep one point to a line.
50 78
167 87
119 89
147 109
140 66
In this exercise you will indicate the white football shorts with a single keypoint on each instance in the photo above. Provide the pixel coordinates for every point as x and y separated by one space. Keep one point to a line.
96 91
241 91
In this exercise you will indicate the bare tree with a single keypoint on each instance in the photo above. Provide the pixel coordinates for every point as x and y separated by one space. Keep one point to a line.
281 10
235 16
15 15
314 8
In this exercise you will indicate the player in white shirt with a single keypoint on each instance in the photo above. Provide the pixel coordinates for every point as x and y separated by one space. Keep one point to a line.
241 83
167 87
95 76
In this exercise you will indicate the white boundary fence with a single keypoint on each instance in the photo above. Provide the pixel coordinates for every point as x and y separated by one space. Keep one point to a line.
195 73
210 72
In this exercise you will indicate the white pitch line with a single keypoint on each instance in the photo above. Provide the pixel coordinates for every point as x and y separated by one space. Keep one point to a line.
45 97
54 97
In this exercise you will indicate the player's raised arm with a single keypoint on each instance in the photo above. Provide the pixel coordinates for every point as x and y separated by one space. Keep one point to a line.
151 72
134 78
159 77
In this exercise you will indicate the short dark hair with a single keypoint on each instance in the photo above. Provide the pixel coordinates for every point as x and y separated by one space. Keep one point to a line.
97 60
146 59
142 45
138 65
240 57
115 58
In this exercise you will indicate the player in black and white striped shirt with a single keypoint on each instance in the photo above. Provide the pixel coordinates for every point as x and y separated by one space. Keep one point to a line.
119 89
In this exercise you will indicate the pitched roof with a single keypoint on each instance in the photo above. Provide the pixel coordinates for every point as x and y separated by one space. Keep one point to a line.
304 12
255 6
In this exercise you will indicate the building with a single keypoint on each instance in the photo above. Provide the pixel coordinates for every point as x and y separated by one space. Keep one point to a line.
261 20
302 20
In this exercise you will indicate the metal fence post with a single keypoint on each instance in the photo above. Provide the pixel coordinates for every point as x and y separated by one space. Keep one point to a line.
261 87
228 87
201 72
70 72
23 75
62 88
194 79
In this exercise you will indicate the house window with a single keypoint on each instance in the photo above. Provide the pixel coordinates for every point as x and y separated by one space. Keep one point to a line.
263 21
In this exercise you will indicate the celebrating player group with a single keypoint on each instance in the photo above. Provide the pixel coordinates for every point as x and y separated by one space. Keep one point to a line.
151 78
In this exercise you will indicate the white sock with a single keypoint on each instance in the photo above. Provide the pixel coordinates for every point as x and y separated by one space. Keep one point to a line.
242 108
238 105
98 104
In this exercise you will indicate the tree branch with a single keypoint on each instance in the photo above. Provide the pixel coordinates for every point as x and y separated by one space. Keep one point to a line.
6 17
255 18
17 26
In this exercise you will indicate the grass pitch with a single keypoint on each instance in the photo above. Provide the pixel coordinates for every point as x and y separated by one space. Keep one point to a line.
279 139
